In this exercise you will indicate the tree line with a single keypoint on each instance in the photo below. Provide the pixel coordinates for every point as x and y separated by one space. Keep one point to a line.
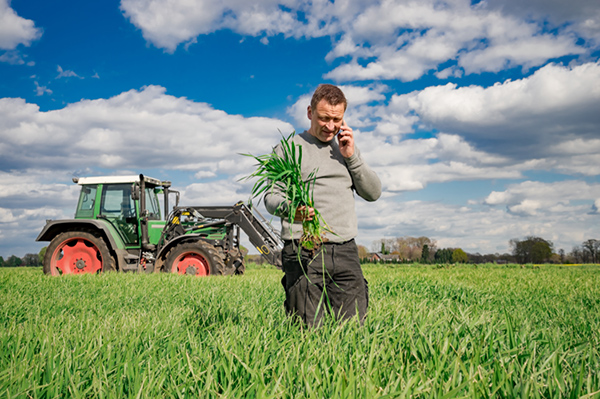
531 249
27 260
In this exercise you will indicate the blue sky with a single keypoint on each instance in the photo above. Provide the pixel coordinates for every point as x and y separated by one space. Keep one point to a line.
481 118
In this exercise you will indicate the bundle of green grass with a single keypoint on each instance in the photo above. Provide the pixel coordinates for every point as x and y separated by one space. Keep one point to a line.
283 173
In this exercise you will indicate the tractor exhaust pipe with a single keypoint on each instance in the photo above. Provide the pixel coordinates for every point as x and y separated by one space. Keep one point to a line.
143 214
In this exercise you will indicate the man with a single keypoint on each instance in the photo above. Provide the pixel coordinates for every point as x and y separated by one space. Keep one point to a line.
330 279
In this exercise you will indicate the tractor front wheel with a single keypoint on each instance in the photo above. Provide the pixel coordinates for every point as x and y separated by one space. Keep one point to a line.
77 252
196 259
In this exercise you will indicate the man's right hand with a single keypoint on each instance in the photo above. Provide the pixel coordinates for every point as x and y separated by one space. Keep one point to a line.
303 214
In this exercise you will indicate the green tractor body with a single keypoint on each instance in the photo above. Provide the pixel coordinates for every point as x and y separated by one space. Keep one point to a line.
119 225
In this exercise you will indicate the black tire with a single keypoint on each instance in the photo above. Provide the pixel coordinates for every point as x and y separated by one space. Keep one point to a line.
77 252
235 262
240 267
197 258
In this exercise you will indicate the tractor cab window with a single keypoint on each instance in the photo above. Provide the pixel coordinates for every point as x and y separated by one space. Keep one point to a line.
85 206
152 204
118 207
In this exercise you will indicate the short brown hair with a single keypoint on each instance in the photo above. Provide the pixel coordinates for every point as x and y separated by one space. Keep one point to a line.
330 93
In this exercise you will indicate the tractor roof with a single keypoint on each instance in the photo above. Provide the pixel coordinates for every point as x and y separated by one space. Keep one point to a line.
117 179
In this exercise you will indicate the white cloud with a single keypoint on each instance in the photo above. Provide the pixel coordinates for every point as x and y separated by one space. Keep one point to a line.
546 92
298 111
29 198
449 72
472 228
6 216
15 30
222 192
66 74
204 174
526 207
532 198
41 90
596 206
414 177
136 129
167 26
554 108
15 57
527 52
26 187
579 16
405 40
393 39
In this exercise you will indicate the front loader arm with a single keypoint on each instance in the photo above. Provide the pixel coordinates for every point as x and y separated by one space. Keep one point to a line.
259 231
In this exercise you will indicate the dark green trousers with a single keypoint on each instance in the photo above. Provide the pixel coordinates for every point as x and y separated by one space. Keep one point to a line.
330 281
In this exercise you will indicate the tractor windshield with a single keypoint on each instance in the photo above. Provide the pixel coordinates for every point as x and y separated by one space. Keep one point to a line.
85 207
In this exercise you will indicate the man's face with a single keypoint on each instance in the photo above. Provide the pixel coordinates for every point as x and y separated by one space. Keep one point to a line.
325 120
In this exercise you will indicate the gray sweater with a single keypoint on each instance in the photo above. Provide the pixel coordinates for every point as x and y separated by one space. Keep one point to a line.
336 180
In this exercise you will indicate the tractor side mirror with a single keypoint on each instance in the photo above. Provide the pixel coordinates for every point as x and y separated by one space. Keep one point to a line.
135 192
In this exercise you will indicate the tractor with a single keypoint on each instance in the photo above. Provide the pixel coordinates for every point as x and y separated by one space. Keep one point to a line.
118 227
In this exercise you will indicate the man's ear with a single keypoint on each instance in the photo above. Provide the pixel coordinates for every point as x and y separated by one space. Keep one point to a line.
309 113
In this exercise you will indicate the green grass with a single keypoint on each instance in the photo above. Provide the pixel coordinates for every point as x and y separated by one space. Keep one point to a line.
486 332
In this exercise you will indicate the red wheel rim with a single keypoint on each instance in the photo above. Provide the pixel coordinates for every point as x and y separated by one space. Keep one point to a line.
191 263
76 256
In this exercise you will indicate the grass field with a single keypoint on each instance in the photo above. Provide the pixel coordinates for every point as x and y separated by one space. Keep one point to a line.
487 331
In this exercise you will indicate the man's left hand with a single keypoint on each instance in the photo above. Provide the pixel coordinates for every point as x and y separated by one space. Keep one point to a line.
346 140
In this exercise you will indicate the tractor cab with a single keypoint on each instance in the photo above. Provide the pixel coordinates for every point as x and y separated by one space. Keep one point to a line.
117 199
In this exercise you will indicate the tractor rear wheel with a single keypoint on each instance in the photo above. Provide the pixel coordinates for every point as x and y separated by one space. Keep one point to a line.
197 258
77 252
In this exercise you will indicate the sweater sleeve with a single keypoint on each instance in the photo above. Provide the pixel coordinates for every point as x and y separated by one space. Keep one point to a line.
365 181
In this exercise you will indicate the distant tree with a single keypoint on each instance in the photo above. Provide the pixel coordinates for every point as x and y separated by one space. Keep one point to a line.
1 261
425 253
411 248
363 252
475 258
31 260
531 249
383 249
383 245
459 256
443 255
42 253
576 254
555 258
592 249
561 254
13 261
